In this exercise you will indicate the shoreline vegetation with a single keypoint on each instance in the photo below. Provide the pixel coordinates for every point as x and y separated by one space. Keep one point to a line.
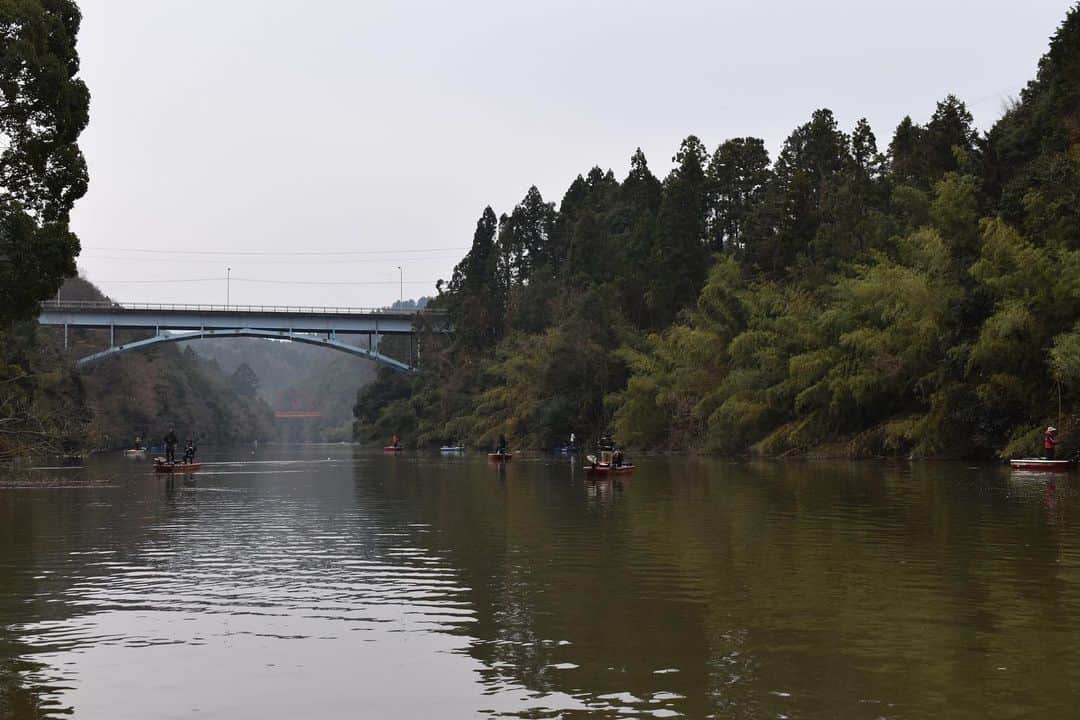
914 300
64 412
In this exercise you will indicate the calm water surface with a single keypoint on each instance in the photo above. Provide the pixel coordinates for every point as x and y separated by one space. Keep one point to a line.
332 582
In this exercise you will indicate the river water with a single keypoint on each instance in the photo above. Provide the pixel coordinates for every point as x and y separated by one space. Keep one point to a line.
333 582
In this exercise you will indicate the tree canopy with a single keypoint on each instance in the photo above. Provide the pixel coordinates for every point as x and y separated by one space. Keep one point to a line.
42 171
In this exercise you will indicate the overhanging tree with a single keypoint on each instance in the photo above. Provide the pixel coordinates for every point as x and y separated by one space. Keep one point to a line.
44 108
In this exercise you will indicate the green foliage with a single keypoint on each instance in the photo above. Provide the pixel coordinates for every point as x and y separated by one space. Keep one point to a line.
922 155
34 260
954 211
1065 359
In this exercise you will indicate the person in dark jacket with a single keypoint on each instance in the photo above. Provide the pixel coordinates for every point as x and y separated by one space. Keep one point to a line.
189 452
170 441
1049 442
502 444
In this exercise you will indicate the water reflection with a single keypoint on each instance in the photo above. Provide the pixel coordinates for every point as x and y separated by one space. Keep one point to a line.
358 584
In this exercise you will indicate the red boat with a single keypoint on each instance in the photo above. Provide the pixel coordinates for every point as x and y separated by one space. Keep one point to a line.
606 464
606 469
1044 465
500 457
166 467
392 448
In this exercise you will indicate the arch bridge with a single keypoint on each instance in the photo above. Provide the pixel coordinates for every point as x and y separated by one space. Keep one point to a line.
322 326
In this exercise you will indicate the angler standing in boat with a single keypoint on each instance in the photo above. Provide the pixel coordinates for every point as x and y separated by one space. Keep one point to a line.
1049 442
170 441
502 444
189 452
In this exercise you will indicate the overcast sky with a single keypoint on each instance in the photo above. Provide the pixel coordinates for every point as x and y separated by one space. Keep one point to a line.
383 128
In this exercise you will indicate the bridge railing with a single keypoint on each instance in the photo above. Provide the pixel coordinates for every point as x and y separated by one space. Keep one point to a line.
77 305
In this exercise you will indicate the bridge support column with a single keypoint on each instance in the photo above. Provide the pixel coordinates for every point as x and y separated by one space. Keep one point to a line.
65 336
112 336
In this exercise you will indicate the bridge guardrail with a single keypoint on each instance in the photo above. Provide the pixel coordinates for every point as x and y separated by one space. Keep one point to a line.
185 307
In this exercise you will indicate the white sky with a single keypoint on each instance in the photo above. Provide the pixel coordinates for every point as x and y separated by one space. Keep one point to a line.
384 128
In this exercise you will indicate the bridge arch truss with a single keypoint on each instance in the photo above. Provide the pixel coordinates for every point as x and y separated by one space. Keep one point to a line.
330 341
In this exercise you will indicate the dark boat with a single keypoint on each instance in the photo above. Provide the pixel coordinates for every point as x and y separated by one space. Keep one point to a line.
500 457
1045 465
161 466
392 448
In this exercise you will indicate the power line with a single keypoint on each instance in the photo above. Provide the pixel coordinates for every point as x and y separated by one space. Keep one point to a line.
368 261
230 253
264 282
334 282
156 282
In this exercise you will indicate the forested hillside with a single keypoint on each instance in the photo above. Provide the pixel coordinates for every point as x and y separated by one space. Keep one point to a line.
919 296
48 406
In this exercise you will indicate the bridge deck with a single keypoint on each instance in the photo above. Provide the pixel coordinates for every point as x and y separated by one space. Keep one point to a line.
160 316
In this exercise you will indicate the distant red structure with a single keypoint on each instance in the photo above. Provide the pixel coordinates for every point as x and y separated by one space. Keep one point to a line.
289 414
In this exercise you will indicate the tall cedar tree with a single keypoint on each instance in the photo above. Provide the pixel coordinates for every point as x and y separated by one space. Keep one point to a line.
475 294
810 165
42 171
738 175
679 257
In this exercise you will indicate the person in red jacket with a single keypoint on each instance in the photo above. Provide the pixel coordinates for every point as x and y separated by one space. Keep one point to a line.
1049 442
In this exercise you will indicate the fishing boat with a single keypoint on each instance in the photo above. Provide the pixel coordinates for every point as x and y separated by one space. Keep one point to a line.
393 449
160 466
500 457
602 469
1041 464
135 453
452 449
605 465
